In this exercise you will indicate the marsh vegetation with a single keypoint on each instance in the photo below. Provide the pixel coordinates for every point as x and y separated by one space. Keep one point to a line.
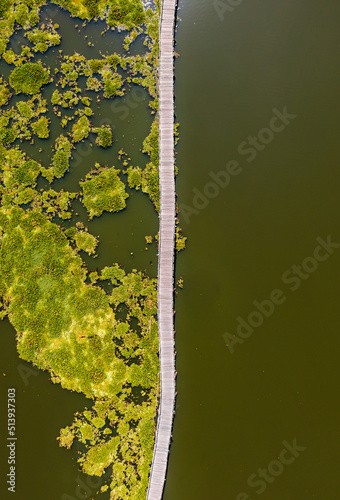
94 332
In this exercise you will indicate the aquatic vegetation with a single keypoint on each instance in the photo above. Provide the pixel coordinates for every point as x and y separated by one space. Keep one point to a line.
81 129
103 191
150 183
60 160
126 13
180 240
44 38
5 93
150 144
104 136
29 78
21 120
113 83
65 322
83 239
76 66
40 127
134 177
70 329
17 171
52 203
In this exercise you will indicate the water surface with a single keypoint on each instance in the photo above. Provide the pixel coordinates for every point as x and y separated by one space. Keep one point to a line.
235 410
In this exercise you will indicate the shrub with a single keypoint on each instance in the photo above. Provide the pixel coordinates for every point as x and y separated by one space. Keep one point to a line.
40 128
7 135
150 183
4 6
29 78
134 177
126 13
81 129
112 85
4 92
104 136
33 18
96 65
104 192
60 163
21 14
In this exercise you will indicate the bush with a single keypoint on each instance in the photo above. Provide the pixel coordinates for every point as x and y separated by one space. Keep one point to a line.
134 177
7 135
126 13
81 129
4 92
21 14
33 18
104 136
150 183
92 7
60 163
96 65
40 128
4 6
104 192
29 78
112 85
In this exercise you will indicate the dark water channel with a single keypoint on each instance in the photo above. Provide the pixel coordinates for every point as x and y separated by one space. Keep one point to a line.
237 412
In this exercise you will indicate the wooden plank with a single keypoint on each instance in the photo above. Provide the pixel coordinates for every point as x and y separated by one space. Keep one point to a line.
166 252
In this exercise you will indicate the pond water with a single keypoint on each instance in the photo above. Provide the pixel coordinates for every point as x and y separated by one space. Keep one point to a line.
44 470
237 411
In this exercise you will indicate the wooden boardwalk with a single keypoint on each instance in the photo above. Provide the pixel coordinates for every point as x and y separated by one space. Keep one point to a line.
166 252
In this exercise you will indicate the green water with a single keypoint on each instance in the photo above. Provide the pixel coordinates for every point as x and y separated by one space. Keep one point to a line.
235 410
43 470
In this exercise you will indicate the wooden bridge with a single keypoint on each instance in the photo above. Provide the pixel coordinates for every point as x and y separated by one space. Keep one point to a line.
166 252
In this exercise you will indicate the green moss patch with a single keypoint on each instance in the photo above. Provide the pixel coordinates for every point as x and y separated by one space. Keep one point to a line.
29 78
5 93
40 128
104 136
81 129
103 191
